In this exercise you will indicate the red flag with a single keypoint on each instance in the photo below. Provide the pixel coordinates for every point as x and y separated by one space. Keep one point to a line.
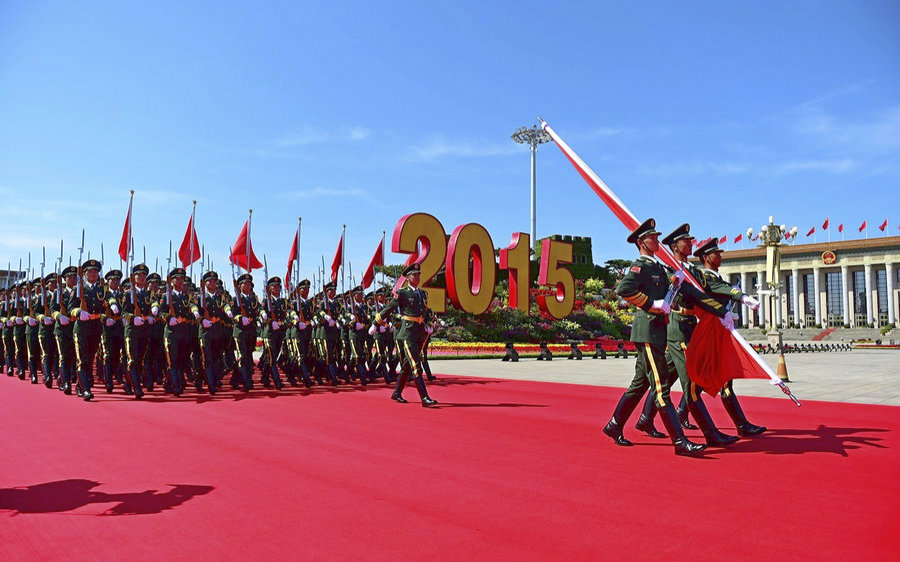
883 225
841 227
338 259
862 226
715 357
242 247
739 237
377 259
293 256
723 239
811 232
125 243
756 237
825 225
189 252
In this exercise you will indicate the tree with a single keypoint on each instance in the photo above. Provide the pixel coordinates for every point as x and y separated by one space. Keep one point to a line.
618 266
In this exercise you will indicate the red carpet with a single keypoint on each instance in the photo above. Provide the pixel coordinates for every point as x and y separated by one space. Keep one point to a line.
503 470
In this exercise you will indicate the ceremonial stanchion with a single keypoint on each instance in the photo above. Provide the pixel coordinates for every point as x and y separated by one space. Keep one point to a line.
545 353
511 353
575 353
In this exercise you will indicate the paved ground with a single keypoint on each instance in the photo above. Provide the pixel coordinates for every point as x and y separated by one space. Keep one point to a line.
866 377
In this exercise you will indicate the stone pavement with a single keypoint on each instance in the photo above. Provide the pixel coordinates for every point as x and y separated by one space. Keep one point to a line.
862 376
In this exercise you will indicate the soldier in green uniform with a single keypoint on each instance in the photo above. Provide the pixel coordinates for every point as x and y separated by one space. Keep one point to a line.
213 309
412 303
138 313
32 328
247 305
113 330
357 324
645 285
63 332
301 330
155 363
328 314
384 338
711 257
6 332
179 328
273 318
49 353
88 310
21 305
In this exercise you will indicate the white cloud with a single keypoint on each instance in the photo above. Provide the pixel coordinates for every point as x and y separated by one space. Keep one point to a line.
310 135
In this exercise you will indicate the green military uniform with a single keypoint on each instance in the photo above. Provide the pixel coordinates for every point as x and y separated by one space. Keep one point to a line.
138 315
412 304
32 328
357 326
63 331
21 306
6 333
244 332
179 330
300 332
327 316
723 293
46 339
88 310
113 337
213 309
274 318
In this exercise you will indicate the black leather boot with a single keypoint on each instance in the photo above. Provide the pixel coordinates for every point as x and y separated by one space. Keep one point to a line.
682 411
744 428
645 422
423 392
398 388
714 437
683 447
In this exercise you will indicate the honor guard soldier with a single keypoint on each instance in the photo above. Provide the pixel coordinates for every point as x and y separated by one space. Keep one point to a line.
19 330
88 310
412 303
213 310
64 329
8 323
274 317
49 352
329 312
155 364
179 328
139 316
384 338
247 305
113 330
357 324
711 258
645 285
682 322
32 327
302 331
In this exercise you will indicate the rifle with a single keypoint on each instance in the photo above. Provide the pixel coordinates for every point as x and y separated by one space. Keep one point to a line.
202 288
28 289
60 283
44 306
266 275
237 290
18 296
82 303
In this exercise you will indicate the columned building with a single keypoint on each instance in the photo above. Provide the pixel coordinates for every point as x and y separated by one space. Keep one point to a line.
855 283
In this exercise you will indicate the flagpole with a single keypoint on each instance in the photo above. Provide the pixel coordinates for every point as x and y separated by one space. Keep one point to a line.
130 229
382 257
191 234
297 277
343 252
249 221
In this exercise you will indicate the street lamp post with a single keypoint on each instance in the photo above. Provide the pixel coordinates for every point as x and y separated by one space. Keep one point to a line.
770 236
532 137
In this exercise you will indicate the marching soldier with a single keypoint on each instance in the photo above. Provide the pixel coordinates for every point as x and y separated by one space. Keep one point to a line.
302 330
63 331
357 321
645 286
412 303
88 310
244 333
113 330
711 257
179 328
139 315
32 328
213 310
155 363
384 338
329 312
274 317
19 330
49 352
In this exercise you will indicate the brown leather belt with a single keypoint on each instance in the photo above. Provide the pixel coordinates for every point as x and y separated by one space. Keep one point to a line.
416 319
684 311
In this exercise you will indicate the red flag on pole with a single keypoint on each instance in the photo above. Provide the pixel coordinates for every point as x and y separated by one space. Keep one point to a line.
825 224
723 239
811 232
739 237
189 252
338 259
883 225
243 249
862 226
293 256
377 259
125 243
841 227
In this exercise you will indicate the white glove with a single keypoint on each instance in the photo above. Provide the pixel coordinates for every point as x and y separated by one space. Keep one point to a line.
358 326
173 321
330 323
353 318
662 306
32 322
197 315
229 314
151 320
678 277
428 329
735 315
263 315
84 316
245 321
63 320
206 323
110 322
48 320
750 301
301 325
382 329
372 329
19 321
329 319
154 310
728 322
114 308
275 325
10 322
138 321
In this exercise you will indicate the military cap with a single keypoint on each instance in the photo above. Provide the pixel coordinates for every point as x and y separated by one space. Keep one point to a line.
154 277
113 273
413 268
140 268
69 270
210 275
177 272
381 291
50 277
21 285
274 281
711 246
357 289
36 281
245 277
680 233
646 228
126 283
304 283
330 285
92 264
370 295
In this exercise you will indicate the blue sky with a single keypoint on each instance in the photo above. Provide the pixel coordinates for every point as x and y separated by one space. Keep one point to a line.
714 113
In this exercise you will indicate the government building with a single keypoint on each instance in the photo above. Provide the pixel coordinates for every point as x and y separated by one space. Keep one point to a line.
854 283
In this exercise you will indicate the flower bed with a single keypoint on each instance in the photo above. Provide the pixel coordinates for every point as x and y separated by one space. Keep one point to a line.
440 348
